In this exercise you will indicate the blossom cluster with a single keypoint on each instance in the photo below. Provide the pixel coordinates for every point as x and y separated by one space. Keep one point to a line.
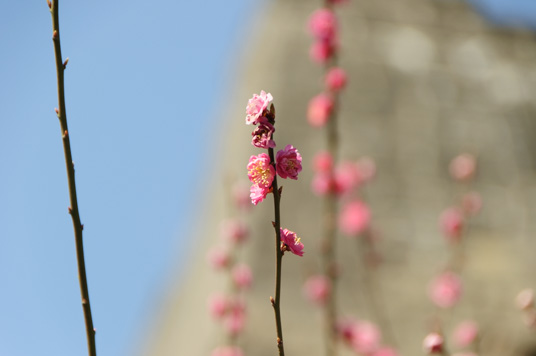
323 27
446 289
261 170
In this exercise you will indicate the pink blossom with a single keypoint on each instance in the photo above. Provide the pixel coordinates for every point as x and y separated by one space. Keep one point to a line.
433 343
445 290
323 24
462 167
366 168
234 231
260 171
465 333
317 289
235 319
241 196
291 242
354 218
258 194
218 258
385 351
319 110
525 299
322 184
471 203
451 224
345 329
256 107
346 177
262 135
242 276
227 351
323 162
336 79
322 50
288 162
217 306
366 337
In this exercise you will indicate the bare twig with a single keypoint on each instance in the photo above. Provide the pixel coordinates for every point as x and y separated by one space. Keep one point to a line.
73 209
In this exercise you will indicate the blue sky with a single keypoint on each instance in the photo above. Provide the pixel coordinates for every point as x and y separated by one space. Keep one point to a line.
508 13
143 84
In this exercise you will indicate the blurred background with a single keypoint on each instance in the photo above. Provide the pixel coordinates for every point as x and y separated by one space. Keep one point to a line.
155 101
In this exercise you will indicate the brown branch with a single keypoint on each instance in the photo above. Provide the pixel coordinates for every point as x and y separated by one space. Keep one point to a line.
278 260
73 209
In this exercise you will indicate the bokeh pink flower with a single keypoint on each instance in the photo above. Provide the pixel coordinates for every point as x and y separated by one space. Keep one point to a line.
525 299
322 50
462 167
227 351
217 305
445 290
218 258
451 223
323 24
317 289
319 110
366 337
242 276
323 162
234 231
336 79
346 177
385 351
433 343
354 218
465 333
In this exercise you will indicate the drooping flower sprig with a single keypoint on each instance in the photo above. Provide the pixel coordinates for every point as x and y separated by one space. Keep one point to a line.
263 170
446 289
230 308
322 112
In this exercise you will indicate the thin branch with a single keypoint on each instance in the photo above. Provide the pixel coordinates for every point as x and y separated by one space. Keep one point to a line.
278 260
73 209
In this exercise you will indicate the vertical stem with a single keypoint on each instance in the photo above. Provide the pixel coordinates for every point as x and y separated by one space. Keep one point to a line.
278 260
330 218
329 247
73 209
